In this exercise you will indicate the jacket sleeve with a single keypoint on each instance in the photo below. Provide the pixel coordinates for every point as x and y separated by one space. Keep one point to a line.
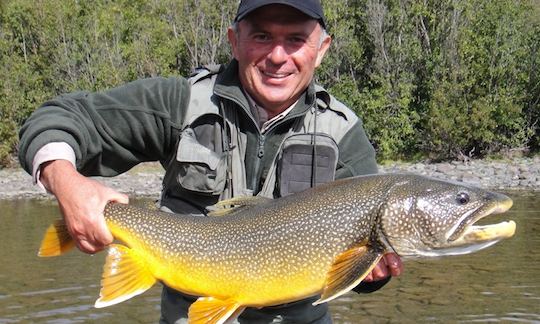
110 131
356 154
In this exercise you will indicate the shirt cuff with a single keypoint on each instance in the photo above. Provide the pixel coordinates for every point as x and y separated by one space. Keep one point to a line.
50 152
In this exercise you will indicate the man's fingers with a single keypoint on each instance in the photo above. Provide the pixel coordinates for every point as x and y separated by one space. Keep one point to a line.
394 264
119 197
87 246
102 235
88 229
389 265
380 271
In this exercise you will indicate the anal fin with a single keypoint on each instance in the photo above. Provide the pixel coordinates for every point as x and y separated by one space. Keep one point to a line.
211 310
125 275
348 270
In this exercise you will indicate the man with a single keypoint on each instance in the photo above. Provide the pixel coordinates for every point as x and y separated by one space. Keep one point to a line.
259 126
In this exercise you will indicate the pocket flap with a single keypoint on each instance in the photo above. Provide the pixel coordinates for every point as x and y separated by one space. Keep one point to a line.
191 151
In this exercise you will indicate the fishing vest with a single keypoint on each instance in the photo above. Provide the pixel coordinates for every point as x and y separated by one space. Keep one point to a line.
209 164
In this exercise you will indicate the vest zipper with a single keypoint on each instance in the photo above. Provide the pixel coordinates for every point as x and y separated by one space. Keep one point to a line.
256 169
260 149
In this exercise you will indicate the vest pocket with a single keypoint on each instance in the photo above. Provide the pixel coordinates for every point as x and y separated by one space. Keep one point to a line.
199 168
299 153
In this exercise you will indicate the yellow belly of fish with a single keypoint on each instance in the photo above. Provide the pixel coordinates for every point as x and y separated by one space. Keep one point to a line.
222 282
267 285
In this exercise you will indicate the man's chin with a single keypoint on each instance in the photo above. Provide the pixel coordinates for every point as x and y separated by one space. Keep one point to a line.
272 95
276 104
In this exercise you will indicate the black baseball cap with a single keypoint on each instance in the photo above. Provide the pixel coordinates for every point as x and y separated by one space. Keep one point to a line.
311 8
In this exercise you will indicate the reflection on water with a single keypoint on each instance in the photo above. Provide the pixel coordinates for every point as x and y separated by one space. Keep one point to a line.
54 290
500 284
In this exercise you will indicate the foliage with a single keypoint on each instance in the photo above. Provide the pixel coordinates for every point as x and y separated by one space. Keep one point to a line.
441 79
436 79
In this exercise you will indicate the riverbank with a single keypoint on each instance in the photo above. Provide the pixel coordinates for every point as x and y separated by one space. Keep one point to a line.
145 180
522 173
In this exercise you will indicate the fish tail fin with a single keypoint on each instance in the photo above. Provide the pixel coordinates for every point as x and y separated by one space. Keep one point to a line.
125 275
56 241
214 311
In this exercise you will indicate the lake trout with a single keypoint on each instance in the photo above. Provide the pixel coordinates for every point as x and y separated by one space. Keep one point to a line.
322 241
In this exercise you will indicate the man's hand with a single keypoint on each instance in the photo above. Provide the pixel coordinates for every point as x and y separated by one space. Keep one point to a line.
389 265
82 201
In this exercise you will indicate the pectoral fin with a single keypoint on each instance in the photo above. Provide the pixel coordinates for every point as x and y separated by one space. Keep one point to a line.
348 270
211 310
125 275
56 241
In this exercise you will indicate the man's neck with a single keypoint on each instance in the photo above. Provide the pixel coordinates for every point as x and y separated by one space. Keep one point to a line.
264 117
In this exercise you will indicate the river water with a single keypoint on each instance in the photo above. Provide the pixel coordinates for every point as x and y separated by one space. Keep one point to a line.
497 285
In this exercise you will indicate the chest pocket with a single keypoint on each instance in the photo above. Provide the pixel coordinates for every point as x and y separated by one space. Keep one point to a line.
201 168
299 155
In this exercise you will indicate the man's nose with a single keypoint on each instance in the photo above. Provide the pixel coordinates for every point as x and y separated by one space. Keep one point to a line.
278 54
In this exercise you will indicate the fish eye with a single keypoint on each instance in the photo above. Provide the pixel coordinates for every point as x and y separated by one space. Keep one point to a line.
462 198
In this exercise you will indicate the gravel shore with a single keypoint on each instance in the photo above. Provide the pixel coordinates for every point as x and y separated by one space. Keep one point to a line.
145 180
523 173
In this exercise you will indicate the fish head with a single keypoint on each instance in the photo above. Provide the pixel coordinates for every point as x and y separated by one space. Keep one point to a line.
431 217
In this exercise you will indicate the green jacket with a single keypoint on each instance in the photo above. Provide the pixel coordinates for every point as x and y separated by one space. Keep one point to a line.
114 130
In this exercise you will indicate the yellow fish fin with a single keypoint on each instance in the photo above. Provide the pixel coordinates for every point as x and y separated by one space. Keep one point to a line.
56 241
348 270
229 206
210 310
125 275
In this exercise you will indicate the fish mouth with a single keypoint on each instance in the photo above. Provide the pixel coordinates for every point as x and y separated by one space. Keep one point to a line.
476 237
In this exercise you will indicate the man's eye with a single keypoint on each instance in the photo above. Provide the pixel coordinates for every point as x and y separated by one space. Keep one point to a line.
261 38
296 40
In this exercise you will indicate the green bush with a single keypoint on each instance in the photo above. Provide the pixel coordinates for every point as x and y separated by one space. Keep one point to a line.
430 79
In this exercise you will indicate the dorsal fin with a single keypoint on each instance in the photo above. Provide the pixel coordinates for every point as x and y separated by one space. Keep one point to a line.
151 205
233 205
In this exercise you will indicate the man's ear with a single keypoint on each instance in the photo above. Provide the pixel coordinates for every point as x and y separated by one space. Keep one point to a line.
325 44
231 35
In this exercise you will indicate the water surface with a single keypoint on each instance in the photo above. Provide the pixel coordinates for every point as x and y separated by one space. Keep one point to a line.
500 284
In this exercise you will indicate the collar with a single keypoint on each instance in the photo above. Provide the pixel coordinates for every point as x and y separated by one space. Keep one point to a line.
261 115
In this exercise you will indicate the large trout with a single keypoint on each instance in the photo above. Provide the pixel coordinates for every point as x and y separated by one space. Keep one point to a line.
322 241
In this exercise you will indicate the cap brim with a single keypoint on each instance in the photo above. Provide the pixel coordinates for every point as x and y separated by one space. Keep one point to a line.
258 4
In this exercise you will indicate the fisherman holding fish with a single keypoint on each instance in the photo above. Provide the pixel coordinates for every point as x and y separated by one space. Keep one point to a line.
257 126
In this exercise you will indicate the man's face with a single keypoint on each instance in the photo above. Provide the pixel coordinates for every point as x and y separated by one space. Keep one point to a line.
277 48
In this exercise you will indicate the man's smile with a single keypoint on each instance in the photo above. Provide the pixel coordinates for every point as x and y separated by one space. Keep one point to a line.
275 78
276 75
